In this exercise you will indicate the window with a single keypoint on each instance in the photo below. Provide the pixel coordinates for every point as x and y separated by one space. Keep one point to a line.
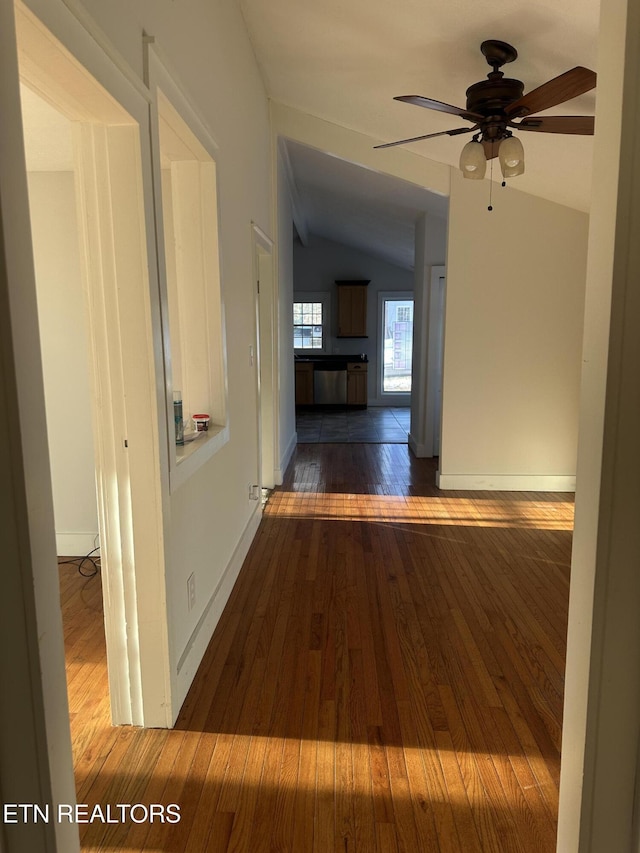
308 325
194 345
397 344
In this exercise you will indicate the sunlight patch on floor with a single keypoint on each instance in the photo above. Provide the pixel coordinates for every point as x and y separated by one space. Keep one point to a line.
424 510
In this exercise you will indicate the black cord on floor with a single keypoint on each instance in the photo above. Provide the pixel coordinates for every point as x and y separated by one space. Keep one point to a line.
80 562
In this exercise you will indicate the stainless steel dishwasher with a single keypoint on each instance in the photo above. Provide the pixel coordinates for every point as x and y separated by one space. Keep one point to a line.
330 383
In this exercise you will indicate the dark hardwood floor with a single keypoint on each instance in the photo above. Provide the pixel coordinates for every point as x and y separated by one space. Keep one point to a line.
387 676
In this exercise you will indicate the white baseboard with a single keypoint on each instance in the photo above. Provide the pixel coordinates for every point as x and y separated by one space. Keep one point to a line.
75 544
418 449
507 482
197 643
279 472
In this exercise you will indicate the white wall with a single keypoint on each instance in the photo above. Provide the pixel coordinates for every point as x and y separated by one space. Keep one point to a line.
287 414
601 707
65 359
513 333
316 268
210 519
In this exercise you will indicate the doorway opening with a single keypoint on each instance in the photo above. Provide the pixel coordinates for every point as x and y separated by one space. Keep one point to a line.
101 195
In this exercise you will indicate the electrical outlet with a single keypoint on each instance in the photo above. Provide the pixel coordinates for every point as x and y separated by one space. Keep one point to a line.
191 591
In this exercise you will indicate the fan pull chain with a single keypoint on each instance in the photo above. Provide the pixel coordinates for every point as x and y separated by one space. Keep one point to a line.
491 179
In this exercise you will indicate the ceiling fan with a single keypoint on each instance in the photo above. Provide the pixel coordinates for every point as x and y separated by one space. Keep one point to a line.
497 105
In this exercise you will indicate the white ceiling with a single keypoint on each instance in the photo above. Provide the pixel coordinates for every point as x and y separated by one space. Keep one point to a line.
344 62
346 203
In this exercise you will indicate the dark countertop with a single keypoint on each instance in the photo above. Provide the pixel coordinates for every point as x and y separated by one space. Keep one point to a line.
320 358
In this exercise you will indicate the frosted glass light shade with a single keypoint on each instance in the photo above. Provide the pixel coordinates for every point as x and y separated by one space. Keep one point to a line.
473 163
511 155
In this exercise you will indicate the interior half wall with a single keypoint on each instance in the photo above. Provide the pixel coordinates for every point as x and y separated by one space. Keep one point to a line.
513 337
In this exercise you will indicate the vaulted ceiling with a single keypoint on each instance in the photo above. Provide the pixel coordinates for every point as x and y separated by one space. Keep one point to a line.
344 62
360 208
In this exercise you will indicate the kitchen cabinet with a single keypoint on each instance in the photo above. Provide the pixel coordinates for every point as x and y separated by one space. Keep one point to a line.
357 374
304 383
352 309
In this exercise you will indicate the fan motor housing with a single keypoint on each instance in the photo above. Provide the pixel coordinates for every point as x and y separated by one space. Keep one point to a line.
489 97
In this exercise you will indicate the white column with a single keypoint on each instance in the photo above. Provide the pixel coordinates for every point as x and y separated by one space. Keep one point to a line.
429 252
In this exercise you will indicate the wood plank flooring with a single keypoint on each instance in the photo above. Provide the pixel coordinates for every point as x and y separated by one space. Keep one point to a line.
387 676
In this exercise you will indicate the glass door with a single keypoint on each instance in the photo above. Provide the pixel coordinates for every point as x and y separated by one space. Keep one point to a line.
397 345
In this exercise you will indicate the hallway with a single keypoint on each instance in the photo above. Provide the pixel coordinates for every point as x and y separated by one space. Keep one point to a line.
387 676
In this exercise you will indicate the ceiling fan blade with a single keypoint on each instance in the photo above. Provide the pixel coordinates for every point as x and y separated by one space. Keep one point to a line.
430 104
582 125
428 136
569 85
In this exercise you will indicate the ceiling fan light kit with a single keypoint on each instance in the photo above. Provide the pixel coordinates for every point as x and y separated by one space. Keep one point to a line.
498 104
511 156
473 163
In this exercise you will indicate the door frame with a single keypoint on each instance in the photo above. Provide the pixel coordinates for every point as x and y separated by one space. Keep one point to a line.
265 355
435 360
387 398
114 171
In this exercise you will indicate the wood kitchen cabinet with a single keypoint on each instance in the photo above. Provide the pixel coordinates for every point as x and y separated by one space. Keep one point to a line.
357 374
304 383
352 309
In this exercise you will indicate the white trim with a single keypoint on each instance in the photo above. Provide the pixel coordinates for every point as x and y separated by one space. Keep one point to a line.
507 482
42 9
284 463
159 73
197 643
71 24
165 88
266 352
435 360
391 398
111 120
35 742
262 237
75 544
417 448
297 209
324 298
